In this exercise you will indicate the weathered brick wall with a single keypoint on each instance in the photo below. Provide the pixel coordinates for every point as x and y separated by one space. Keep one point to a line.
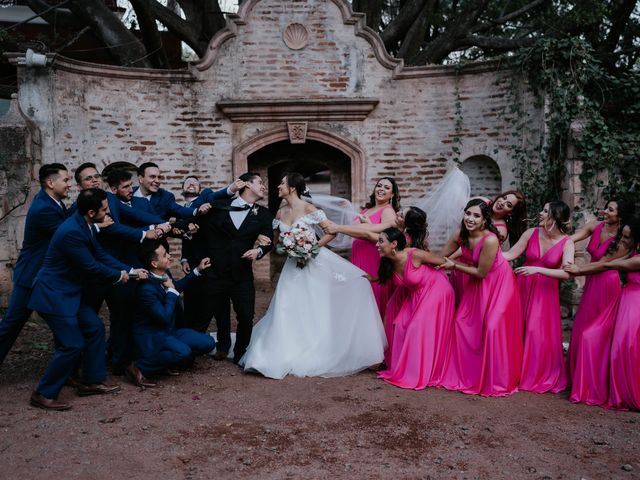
17 187
424 115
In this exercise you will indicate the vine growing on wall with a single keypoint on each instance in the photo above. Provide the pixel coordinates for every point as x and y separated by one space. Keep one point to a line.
575 87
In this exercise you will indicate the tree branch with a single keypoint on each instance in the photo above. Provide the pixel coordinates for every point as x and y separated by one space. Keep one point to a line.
397 29
372 9
183 29
58 16
122 44
150 34
481 27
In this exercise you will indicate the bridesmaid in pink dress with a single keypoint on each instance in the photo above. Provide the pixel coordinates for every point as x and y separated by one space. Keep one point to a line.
624 381
380 210
486 353
548 249
414 223
421 316
590 347
508 214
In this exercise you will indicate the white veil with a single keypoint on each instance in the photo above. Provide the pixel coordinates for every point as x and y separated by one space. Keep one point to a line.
338 210
444 205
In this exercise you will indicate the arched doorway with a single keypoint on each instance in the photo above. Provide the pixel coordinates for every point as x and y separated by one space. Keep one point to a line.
325 168
484 176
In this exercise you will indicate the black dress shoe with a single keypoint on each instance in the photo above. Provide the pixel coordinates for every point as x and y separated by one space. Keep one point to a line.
220 356
135 375
96 389
40 401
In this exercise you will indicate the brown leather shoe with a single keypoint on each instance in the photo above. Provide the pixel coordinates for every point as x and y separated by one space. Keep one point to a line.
40 401
96 389
135 375
220 355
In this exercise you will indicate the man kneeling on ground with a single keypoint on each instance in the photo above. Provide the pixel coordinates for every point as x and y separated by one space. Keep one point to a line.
160 346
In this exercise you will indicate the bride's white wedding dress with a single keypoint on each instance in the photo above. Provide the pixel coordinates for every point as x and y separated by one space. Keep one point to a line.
322 320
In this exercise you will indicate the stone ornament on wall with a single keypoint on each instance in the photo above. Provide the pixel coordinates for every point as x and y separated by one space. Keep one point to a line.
297 132
295 36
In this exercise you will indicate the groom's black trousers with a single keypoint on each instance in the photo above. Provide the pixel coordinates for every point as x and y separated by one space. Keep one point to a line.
218 295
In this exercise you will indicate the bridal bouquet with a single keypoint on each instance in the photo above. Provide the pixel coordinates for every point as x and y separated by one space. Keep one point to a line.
300 243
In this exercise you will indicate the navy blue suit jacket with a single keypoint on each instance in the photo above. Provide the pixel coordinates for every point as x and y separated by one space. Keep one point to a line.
73 257
156 314
43 219
164 204
140 213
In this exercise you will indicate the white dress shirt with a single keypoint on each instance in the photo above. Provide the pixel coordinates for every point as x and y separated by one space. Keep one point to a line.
237 217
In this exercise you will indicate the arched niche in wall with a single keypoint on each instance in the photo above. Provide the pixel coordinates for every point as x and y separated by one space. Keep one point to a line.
484 176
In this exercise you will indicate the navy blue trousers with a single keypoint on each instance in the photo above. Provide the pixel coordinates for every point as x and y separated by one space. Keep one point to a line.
179 346
77 339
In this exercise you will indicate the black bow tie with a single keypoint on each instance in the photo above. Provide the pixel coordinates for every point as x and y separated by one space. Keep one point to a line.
233 208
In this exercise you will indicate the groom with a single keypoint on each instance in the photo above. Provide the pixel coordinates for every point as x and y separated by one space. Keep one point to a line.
230 234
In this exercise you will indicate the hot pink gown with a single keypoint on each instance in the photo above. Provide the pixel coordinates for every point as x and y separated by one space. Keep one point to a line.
486 354
421 327
459 279
364 255
543 368
624 382
590 348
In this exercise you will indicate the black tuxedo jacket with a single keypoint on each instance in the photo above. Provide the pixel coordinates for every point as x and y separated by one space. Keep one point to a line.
224 244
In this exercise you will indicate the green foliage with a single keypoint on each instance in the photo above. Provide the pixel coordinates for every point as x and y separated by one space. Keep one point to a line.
576 87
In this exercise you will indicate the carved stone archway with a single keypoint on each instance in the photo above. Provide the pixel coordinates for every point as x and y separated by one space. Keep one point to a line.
349 148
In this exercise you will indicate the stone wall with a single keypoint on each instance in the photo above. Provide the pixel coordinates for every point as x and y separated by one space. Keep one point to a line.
261 74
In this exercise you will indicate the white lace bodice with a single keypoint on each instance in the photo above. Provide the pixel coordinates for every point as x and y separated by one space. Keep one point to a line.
308 220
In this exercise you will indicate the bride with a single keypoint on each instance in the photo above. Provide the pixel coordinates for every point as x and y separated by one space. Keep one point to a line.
323 319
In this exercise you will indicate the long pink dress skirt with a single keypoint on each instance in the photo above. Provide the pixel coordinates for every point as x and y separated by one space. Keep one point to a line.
590 348
543 368
624 382
421 328
486 354
364 255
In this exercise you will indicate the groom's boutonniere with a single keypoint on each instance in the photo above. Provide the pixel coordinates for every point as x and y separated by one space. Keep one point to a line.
254 210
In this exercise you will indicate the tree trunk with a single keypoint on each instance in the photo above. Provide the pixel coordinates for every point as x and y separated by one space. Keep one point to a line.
372 9
150 35
122 44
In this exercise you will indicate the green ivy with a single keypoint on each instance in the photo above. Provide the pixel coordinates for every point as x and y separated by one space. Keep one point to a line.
574 86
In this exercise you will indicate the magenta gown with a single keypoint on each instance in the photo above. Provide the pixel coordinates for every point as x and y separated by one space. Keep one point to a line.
624 382
421 327
459 279
590 348
543 368
486 352
364 255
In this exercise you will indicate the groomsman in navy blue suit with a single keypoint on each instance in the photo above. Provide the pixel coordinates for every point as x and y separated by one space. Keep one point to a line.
160 345
162 201
74 255
45 215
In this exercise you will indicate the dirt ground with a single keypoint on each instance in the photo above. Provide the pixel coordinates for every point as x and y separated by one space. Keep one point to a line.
216 422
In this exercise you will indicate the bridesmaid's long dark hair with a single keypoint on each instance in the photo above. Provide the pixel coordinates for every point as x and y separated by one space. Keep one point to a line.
395 200
560 213
385 270
415 224
626 210
486 215
517 220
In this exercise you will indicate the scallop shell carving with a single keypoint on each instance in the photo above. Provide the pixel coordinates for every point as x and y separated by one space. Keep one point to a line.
295 36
